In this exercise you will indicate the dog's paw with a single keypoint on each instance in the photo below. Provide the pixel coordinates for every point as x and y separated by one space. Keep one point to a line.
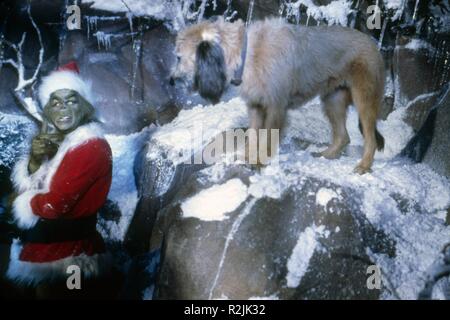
360 169
331 155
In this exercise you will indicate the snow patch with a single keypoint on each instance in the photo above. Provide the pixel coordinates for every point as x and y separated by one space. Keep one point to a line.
193 129
325 195
393 4
417 44
176 14
309 123
301 255
157 9
271 297
214 203
15 137
336 12
123 188
266 184
396 6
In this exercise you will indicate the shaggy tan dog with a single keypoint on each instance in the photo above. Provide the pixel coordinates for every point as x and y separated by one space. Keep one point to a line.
286 65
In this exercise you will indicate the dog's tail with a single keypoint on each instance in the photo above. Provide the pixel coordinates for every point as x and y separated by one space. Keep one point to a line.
378 137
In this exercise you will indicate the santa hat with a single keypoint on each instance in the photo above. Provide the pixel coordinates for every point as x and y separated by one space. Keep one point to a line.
65 77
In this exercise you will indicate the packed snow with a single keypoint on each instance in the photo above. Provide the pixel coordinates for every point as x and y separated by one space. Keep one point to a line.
325 195
396 6
417 228
271 297
336 12
175 13
417 44
14 133
123 188
155 8
303 251
193 129
214 203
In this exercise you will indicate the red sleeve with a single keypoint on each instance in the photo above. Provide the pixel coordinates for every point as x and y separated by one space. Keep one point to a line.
78 171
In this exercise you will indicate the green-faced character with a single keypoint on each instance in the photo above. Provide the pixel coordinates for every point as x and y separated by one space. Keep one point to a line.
67 110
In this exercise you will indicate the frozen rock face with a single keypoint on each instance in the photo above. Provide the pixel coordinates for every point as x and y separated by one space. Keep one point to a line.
289 247
305 227
415 58
167 160
438 155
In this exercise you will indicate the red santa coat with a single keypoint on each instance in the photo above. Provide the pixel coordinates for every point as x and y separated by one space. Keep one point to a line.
73 185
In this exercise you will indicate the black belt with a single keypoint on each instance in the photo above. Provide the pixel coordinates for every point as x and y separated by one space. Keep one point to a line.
61 230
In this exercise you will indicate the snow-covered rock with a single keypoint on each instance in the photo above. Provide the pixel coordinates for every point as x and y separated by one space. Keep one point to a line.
169 158
14 133
302 227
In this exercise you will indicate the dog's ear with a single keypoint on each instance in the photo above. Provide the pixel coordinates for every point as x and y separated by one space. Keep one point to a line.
210 73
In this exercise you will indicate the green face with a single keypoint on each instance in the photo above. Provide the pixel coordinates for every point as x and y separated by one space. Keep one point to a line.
67 110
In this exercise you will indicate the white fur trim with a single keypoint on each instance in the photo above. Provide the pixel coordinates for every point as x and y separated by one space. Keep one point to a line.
31 273
20 177
22 212
39 182
63 80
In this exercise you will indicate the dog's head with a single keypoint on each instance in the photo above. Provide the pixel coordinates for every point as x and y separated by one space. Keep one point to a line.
202 59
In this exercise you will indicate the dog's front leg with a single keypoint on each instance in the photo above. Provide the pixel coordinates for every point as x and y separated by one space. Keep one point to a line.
270 139
256 114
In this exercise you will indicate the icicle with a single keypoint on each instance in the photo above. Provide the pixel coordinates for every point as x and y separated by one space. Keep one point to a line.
91 23
383 30
250 12
137 44
228 14
88 28
399 13
201 10
130 20
281 8
62 32
103 39
416 7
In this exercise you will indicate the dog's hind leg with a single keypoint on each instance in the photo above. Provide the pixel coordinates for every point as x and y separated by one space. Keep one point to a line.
367 103
335 107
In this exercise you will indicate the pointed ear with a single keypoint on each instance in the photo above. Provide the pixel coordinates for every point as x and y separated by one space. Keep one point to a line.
210 73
